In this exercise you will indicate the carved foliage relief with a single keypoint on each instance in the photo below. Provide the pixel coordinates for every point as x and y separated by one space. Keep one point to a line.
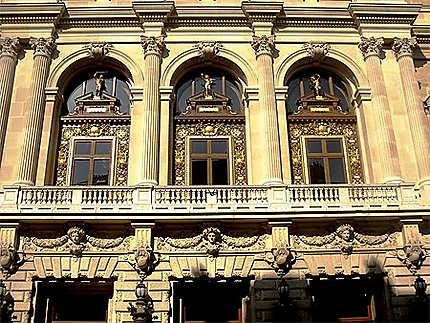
121 133
211 129
323 128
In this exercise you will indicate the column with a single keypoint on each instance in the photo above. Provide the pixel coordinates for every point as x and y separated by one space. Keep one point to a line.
271 157
417 119
388 156
10 48
27 167
153 48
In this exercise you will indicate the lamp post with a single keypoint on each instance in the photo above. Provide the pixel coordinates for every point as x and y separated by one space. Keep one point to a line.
6 304
142 312
284 292
422 311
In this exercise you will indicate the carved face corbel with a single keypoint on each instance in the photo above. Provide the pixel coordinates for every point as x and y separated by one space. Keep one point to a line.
212 237
346 234
144 261
412 257
281 259
9 260
76 236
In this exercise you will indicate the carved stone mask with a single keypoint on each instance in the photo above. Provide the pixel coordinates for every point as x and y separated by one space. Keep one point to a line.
345 232
212 235
6 256
76 234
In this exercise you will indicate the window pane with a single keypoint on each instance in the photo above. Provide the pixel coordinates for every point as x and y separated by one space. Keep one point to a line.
316 166
219 147
199 147
101 172
314 146
199 172
83 148
103 148
334 146
219 172
337 171
80 172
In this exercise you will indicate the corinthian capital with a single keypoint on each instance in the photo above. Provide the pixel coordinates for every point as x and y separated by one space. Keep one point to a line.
153 45
10 47
403 46
43 46
371 46
263 45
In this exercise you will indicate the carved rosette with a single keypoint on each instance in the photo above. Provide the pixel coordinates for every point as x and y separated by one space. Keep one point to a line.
347 130
43 46
153 45
281 259
211 129
403 46
10 47
316 49
371 46
263 45
412 257
121 133
208 49
98 49
144 261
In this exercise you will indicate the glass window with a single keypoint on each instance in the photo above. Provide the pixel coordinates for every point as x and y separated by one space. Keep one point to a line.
326 162
209 162
91 162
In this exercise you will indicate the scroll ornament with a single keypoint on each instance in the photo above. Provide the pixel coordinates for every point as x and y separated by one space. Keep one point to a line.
144 261
211 240
208 49
316 49
345 238
75 241
98 49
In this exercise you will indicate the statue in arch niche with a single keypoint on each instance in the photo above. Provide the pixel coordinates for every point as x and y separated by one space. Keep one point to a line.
208 85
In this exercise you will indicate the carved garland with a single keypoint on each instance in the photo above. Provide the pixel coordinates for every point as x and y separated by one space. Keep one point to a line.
323 128
212 129
94 130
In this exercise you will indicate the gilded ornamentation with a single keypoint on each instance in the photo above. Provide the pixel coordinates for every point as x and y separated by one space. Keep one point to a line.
92 129
412 257
281 259
211 240
153 45
404 46
144 261
75 241
346 129
98 49
316 49
263 45
208 129
43 46
208 49
344 238
9 260
208 85
371 46
10 47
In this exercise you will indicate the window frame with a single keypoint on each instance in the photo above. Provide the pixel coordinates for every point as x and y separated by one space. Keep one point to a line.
325 156
91 157
208 156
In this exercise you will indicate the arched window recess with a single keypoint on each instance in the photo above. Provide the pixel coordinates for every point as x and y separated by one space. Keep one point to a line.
323 137
94 129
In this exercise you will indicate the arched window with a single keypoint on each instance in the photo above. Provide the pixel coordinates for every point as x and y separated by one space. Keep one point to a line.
209 139
323 139
94 129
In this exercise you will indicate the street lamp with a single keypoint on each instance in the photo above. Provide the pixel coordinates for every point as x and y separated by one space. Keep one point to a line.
142 312
6 303
420 288
284 291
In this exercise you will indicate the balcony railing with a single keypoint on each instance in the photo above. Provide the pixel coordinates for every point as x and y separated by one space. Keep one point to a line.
135 199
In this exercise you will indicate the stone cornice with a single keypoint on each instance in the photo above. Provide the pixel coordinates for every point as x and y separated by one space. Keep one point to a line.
262 11
154 11
31 13
404 14
422 33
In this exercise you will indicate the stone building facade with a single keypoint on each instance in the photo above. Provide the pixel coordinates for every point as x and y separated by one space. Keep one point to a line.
218 151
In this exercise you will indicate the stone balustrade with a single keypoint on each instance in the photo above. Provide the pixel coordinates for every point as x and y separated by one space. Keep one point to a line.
158 199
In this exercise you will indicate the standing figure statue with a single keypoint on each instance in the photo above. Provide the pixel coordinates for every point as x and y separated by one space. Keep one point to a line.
315 80
99 84
208 85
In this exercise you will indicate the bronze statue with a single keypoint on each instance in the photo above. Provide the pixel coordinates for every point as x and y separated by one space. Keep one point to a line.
315 80
99 84
208 85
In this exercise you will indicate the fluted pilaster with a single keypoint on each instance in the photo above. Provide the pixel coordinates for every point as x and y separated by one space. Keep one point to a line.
27 167
417 119
153 48
388 155
10 48
271 157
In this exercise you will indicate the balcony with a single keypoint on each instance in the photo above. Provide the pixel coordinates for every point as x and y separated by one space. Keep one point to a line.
216 199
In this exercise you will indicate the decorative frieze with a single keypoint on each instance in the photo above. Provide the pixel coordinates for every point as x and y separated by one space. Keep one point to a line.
153 45
371 46
403 46
98 49
316 49
208 49
263 45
